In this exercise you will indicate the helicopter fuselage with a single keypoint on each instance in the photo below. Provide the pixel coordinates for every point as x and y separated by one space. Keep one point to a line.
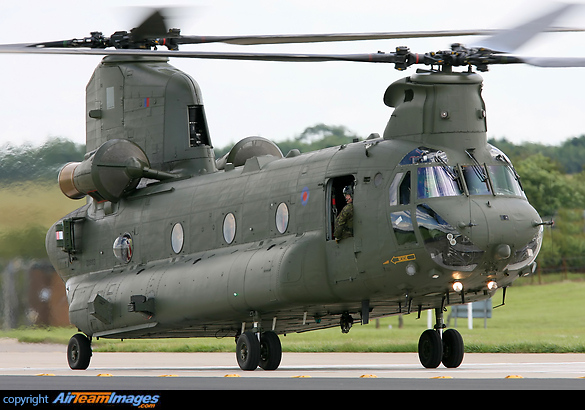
173 243
204 255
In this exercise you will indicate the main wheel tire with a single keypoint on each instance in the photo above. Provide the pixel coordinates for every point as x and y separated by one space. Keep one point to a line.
270 351
453 348
79 352
248 351
430 349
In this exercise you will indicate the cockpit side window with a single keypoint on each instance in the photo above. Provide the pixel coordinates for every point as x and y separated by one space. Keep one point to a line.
403 227
400 189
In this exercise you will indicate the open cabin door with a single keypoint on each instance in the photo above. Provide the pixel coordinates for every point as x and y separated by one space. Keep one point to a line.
341 255
335 200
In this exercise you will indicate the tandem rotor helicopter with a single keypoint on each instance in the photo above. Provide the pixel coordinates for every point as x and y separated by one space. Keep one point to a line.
173 242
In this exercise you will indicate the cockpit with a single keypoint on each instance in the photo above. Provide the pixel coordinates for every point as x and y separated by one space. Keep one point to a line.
433 176
444 180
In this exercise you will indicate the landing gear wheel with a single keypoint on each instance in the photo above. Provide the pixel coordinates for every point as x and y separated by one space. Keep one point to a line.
79 352
452 348
248 351
270 351
430 349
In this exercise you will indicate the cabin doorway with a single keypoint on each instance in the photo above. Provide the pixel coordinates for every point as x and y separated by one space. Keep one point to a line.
336 200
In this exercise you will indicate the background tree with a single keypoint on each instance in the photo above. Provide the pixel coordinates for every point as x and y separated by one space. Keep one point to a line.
546 187
26 162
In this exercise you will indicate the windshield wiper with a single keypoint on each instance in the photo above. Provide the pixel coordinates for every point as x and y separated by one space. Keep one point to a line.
450 171
477 168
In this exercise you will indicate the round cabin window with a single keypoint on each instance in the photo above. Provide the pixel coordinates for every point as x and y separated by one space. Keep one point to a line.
282 217
177 238
229 228
123 248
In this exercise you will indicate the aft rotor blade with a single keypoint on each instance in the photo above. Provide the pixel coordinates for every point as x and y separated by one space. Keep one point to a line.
366 58
333 37
323 38
371 58
153 26
154 23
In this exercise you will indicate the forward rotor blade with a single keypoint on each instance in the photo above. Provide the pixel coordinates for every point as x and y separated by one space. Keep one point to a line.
509 40
554 61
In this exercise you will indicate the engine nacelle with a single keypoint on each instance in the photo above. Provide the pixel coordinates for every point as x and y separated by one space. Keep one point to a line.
246 149
108 173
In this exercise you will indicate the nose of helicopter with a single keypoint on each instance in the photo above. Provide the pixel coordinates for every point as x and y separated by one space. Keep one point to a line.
497 233
506 228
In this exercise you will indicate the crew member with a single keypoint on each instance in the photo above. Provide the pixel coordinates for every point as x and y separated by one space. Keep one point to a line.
344 221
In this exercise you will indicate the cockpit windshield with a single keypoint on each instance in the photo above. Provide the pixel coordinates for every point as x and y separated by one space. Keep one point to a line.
504 181
437 181
442 180
476 180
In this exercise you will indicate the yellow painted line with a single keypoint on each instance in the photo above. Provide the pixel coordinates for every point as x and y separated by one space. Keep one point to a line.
442 377
168 375
514 376
105 375
301 377
368 376
232 375
45 374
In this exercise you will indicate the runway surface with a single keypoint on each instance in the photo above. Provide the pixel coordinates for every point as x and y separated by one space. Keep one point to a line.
44 366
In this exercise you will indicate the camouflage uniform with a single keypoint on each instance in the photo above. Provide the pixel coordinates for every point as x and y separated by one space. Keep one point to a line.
344 223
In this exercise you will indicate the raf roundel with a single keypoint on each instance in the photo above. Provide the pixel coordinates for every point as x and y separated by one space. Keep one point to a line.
305 196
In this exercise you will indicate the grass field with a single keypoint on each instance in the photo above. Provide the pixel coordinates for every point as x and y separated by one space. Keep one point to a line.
539 318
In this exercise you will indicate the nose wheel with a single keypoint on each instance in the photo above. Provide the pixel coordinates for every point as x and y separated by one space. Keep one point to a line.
430 349
251 352
436 346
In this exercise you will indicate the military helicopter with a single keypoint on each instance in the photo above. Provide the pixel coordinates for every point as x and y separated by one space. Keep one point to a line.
173 242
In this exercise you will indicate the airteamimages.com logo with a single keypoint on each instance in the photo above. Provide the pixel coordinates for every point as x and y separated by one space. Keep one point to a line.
76 398
143 401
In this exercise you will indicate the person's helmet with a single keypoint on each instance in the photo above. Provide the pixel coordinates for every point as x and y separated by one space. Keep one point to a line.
348 190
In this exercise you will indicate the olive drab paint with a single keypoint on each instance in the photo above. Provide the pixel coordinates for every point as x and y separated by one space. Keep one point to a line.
185 248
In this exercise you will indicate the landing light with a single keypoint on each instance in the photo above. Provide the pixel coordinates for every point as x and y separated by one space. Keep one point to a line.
492 285
457 286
